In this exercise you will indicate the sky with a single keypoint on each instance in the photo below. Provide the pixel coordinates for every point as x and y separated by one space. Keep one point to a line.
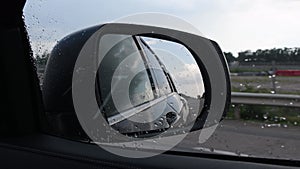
237 25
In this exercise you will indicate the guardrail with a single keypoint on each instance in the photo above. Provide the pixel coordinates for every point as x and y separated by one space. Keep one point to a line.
265 99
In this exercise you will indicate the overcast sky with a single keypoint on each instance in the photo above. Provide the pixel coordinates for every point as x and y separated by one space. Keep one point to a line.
236 25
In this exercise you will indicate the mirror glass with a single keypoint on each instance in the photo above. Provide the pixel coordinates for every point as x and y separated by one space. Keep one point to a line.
147 85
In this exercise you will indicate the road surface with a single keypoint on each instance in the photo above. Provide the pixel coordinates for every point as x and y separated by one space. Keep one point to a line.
248 139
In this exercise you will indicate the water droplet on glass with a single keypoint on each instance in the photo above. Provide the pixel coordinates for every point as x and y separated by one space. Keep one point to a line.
238 153
282 118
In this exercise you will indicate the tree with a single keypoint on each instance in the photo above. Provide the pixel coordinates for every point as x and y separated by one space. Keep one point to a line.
229 57
279 55
41 60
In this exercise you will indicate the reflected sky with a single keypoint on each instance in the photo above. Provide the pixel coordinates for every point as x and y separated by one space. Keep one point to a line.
181 65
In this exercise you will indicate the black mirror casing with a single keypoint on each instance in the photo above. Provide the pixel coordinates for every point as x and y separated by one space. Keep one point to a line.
58 87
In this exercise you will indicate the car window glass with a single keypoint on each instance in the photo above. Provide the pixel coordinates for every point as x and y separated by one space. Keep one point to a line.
115 70
162 81
158 70
260 40
140 90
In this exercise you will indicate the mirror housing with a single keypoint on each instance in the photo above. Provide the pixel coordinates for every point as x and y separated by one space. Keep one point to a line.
69 70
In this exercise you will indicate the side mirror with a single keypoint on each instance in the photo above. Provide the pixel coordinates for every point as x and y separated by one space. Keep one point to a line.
136 80
147 85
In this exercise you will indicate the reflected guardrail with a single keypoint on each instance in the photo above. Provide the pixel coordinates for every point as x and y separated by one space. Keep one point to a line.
285 100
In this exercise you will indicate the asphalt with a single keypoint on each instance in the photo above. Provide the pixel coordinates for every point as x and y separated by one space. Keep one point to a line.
235 137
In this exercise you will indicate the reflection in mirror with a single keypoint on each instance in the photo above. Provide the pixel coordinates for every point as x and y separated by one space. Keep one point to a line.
147 85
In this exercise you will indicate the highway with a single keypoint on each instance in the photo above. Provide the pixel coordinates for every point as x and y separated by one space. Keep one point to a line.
248 139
